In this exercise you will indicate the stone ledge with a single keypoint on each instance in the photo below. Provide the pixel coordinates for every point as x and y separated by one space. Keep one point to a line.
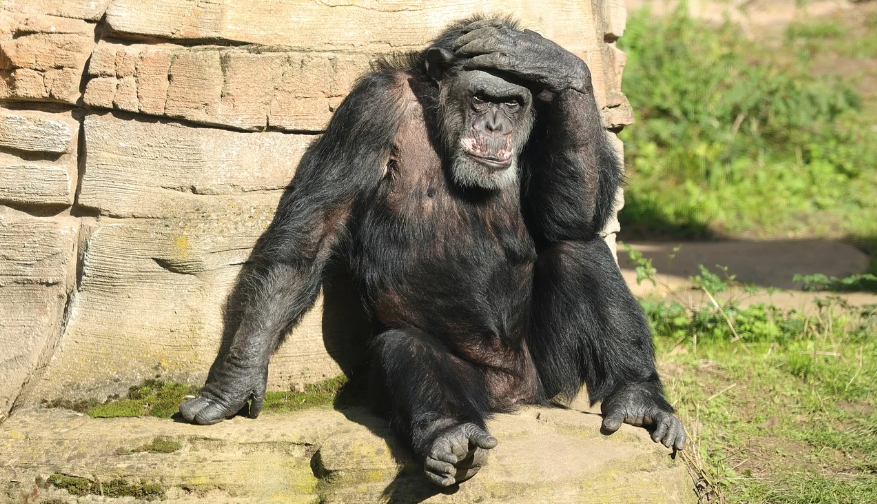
321 455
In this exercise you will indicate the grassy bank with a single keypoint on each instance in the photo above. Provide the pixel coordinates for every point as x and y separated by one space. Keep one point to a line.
780 406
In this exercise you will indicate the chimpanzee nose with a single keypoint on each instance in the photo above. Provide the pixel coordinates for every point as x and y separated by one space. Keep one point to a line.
494 123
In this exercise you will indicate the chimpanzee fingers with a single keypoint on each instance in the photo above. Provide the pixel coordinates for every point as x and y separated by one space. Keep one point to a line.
439 472
480 46
669 431
480 438
681 438
492 61
483 23
484 33
191 407
676 436
660 431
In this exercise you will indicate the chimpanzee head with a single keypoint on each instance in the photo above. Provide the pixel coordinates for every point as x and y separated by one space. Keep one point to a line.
484 121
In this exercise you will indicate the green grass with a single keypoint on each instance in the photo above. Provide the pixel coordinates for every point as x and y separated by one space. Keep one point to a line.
815 30
736 139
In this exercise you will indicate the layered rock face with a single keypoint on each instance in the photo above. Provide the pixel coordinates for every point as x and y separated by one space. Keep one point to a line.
144 146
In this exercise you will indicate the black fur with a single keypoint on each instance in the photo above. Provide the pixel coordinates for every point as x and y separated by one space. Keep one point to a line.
483 297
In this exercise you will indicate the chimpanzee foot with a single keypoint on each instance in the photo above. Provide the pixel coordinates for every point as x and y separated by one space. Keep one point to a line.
226 394
637 407
457 454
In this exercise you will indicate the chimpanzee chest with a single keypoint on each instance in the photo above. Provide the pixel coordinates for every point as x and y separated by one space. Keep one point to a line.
454 263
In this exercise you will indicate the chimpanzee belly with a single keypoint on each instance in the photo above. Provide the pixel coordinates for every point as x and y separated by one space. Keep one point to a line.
454 264
469 288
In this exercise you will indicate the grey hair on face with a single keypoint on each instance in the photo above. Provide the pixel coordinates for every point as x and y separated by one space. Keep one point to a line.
468 172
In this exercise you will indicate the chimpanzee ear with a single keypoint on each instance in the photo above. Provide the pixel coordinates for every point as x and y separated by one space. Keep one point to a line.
437 61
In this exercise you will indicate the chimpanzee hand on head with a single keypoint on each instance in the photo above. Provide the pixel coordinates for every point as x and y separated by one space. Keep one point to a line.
492 46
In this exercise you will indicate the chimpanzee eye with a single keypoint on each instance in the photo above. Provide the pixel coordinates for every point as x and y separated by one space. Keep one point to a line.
478 99
513 103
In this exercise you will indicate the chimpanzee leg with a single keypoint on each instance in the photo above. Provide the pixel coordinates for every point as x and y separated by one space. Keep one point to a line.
435 400
589 328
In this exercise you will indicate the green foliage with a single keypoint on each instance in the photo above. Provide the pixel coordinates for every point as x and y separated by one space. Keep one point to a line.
820 282
151 398
162 444
734 137
643 267
711 281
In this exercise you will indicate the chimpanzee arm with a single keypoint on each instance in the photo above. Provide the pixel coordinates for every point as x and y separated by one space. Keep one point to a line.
588 327
282 283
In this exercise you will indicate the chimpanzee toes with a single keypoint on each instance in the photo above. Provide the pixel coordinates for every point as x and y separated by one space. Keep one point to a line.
203 411
191 407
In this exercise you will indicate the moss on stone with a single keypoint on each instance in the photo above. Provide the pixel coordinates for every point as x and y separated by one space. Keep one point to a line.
162 399
151 398
160 444
80 405
79 486
73 484
313 396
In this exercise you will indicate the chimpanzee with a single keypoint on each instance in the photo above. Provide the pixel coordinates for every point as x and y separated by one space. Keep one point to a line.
465 186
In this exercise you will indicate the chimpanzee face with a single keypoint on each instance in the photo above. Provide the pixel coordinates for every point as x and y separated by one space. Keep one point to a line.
485 122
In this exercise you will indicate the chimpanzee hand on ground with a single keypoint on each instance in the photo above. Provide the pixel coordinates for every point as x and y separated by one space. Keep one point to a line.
457 454
227 391
637 406
525 54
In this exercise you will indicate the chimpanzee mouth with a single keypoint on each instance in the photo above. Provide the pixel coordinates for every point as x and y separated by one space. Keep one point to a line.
494 157
492 163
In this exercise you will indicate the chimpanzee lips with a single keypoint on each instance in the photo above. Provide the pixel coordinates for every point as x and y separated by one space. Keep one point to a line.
492 151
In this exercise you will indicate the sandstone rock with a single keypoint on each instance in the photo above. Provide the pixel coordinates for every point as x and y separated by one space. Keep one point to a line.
615 18
150 302
91 10
240 88
34 131
152 169
543 456
36 267
42 57
364 28
36 182
40 165
151 295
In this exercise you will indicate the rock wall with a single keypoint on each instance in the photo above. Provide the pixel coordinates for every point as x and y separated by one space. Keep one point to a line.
144 145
